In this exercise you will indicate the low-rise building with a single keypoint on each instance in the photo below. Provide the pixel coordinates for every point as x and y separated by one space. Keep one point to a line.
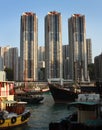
2 76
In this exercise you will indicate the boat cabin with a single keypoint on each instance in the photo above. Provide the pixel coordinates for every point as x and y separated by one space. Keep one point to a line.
6 92
15 107
87 107
7 99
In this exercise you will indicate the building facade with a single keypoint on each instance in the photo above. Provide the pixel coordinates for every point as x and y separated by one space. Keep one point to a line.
29 47
89 51
13 54
1 64
98 67
4 53
41 53
77 45
65 61
9 56
53 45
41 63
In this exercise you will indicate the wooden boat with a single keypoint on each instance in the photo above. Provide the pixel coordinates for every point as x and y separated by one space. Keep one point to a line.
33 90
29 97
68 93
87 117
63 94
12 113
37 90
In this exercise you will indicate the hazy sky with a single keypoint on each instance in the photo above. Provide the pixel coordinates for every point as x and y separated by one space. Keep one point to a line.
11 11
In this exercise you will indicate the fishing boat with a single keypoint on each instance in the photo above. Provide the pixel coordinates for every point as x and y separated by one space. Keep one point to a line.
12 113
68 92
37 90
88 115
62 90
62 94
30 98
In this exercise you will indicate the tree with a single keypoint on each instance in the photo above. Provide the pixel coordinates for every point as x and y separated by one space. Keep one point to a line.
9 74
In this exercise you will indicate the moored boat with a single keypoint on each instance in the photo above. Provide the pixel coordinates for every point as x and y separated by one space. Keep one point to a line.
29 97
63 94
69 92
37 90
87 116
12 113
34 91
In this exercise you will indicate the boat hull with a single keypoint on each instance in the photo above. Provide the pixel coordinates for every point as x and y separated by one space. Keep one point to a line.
62 95
32 100
14 121
29 98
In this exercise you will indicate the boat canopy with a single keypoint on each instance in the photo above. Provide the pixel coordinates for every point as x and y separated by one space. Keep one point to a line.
83 104
9 102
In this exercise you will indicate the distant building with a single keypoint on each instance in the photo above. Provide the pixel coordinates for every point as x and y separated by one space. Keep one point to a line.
29 47
98 67
77 47
4 53
41 53
53 45
1 63
41 63
41 70
19 69
9 59
13 54
65 61
89 51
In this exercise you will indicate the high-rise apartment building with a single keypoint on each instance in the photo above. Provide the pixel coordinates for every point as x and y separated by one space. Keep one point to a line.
29 47
89 51
53 45
13 62
9 57
4 53
77 45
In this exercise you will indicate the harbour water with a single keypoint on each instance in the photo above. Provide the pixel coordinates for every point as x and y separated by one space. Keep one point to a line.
44 113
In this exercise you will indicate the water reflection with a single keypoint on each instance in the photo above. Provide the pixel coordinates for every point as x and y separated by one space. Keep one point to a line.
45 113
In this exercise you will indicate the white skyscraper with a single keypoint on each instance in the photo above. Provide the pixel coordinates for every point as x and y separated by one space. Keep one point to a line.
77 45
53 45
29 47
